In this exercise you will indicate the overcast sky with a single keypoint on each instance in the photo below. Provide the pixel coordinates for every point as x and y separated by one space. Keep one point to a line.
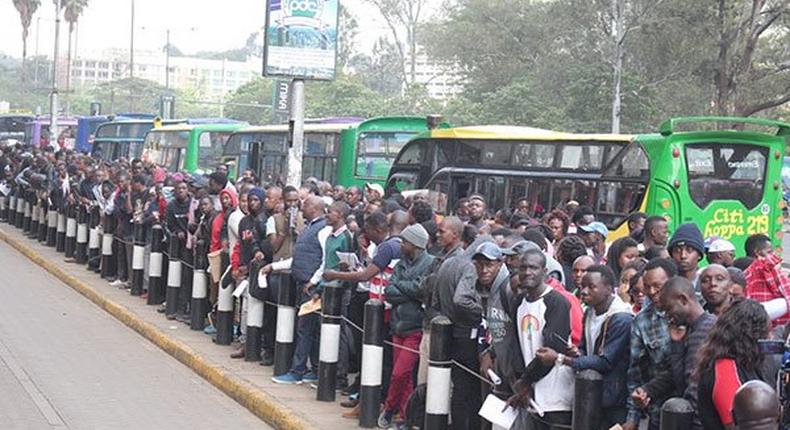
218 25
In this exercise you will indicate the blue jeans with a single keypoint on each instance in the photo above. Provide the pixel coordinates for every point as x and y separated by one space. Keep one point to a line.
308 333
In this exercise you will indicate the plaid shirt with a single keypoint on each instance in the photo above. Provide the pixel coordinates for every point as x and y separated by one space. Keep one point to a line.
765 281
649 347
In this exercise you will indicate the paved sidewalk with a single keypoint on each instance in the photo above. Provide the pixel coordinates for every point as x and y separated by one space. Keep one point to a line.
282 406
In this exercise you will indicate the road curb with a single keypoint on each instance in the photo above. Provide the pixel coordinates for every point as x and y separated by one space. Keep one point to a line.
259 403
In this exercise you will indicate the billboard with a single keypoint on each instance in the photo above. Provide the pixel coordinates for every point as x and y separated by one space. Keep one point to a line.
301 39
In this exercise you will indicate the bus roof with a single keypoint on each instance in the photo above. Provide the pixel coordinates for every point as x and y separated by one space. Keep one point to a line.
61 120
506 132
310 128
201 127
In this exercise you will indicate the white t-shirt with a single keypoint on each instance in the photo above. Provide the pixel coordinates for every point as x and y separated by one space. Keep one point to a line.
594 329
554 392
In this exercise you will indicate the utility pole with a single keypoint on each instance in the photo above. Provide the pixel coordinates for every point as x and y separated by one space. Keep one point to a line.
222 92
53 109
38 30
167 61
297 137
131 45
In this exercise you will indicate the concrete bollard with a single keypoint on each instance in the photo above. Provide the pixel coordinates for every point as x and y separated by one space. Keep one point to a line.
588 393
27 218
225 309
329 348
372 364
286 325
52 225
3 207
81 250
138 259
10 208
676 414
156 294
252 347
437 404
109 264
173 277
199 305
60 243
94 240
71 231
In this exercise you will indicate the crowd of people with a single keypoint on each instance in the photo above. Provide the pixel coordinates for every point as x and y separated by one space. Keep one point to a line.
532 300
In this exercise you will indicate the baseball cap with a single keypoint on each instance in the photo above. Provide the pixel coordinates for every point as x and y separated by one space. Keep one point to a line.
721 245
519 247
375 187
416 235
595 227
489 251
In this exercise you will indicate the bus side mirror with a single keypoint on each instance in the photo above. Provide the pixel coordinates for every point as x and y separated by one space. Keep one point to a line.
433 121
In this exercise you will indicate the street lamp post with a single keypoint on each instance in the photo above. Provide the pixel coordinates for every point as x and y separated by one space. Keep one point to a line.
53 109
167 60
131 46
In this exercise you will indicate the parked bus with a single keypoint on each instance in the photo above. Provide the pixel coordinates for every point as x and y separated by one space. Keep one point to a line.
122 138
12 126
726 181
37 132
189 147
86 131
343 151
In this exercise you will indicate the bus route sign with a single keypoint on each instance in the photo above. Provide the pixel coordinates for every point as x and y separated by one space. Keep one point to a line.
301 39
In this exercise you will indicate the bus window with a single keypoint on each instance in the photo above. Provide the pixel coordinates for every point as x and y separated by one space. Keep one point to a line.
211 144
375 151
171 158
632 164
534 155
721 171
582 157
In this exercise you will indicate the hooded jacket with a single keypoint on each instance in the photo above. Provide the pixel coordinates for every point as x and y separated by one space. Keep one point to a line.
219 223
402 292
609 352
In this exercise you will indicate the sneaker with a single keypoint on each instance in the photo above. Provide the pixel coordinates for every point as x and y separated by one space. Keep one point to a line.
117 283
239 353
210 329
310 377
289 378
385 419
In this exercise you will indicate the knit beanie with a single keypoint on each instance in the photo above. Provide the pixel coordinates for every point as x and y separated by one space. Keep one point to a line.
689 235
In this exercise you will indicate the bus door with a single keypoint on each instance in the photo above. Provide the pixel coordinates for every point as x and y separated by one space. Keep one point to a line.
267 156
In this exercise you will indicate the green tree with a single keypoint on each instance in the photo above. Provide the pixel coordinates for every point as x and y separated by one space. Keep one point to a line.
381 70
251 102
26 9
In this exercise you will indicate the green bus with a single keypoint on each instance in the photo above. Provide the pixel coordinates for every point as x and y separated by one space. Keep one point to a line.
123 138
195 148
727 181
345 151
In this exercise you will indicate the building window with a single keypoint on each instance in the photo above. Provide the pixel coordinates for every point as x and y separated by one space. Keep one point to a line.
104 65
90 64
90 73
103 74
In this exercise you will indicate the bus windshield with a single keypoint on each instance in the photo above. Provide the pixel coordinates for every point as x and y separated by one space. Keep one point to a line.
377 149
723 171
166 148
212 145
132 130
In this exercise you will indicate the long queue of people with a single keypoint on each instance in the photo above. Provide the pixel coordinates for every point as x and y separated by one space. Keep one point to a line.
533 298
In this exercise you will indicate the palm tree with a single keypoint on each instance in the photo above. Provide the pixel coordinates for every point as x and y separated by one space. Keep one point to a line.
72 9
26 10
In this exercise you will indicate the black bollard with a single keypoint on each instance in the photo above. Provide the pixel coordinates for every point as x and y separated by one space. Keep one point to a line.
109 267
3 207
138 259
52 225
331 304
173 277
676 414
81 251
43 221
27 218
286 325
437 405
225 309
71 230
10 206
33 230
199 306
94 240
155 291
587 400
372 364
60 243
20 209
252 347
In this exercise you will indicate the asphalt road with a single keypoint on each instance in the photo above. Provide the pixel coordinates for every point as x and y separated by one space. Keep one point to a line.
65 364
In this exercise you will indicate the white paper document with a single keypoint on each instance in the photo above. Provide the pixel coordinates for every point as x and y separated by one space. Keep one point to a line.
492 411
240 289
349 258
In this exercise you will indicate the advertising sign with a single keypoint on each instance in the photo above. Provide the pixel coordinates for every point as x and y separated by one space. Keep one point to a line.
301 39
282 102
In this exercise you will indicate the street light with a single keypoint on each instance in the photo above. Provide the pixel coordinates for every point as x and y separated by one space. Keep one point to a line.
167 53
